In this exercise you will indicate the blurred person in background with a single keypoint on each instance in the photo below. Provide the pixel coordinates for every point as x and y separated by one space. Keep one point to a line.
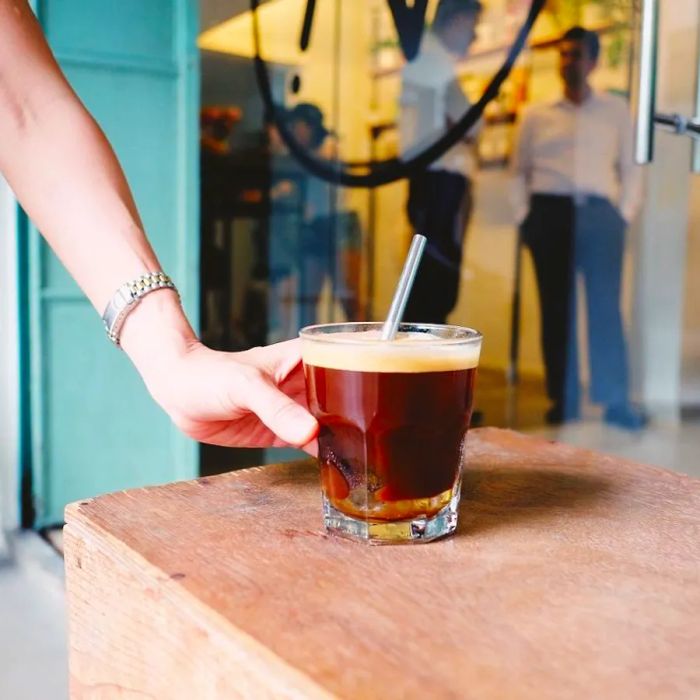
311 241
575 191
440 197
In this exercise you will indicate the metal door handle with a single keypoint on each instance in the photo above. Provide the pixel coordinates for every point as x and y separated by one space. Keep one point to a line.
646 84
647 117
695 157
678 124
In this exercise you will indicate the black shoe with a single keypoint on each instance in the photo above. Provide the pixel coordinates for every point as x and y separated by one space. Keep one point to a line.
554 415
557 415
477 419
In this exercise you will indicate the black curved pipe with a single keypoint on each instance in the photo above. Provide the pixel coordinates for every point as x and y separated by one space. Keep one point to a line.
307 25
384 172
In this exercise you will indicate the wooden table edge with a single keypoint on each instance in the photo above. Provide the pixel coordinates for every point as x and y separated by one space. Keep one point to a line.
176 594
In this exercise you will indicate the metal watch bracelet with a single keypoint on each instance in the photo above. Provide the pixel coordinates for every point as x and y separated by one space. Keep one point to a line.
127 297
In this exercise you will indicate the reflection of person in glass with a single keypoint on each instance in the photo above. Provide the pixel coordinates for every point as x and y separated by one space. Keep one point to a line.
575 190
305 229
439 199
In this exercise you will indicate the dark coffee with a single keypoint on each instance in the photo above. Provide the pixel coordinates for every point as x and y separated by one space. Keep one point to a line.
390 444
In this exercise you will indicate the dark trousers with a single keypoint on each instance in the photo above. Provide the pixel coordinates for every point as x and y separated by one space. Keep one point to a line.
587 239
439 206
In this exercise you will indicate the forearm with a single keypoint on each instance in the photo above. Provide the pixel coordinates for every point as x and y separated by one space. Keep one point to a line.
68 180
61 167
66 176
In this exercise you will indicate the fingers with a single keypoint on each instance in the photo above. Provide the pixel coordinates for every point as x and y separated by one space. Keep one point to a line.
278 359
248 433
311 448
276 408
281 414
235 434
243 396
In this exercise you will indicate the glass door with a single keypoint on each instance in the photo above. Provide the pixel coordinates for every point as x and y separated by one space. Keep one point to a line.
667 133
333 130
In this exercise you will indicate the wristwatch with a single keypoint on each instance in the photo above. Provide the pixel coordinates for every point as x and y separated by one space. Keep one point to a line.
127 297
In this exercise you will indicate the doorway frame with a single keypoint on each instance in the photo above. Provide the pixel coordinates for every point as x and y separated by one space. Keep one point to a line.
10 438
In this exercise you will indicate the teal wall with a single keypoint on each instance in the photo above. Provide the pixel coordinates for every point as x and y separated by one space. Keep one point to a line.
94 428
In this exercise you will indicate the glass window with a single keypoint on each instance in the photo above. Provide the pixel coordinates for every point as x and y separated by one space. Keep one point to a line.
577 265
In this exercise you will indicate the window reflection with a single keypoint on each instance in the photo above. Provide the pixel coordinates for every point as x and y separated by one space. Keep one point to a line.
535 217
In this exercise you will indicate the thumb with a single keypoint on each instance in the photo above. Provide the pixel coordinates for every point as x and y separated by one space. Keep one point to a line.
282 415
278 359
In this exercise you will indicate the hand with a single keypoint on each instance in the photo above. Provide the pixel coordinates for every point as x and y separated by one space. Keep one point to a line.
284 188
255 398
626 217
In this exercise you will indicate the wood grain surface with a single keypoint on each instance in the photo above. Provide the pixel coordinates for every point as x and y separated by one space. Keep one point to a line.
572 575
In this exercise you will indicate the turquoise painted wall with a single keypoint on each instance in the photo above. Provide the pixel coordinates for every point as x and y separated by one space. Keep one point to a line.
95 429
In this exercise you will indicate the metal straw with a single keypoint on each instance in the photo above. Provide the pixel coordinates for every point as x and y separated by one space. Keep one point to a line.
403 288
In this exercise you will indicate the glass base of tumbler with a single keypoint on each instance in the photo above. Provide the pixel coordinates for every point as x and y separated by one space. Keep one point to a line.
418 529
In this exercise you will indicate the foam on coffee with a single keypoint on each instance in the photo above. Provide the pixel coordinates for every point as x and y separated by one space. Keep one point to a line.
408 352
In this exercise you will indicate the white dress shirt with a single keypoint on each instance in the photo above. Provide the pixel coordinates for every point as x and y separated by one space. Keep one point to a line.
431 99
568 149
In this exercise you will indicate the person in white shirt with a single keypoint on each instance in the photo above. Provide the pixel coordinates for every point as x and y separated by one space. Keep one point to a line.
575 190
439 200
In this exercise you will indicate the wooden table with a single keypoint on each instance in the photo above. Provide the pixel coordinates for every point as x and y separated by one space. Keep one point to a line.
572 575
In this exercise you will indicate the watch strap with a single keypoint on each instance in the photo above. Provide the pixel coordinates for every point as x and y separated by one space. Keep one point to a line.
127 297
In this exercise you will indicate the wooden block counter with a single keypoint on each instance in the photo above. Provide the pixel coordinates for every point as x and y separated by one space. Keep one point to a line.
572 575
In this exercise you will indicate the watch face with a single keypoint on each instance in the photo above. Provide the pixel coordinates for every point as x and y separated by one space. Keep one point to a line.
125 296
